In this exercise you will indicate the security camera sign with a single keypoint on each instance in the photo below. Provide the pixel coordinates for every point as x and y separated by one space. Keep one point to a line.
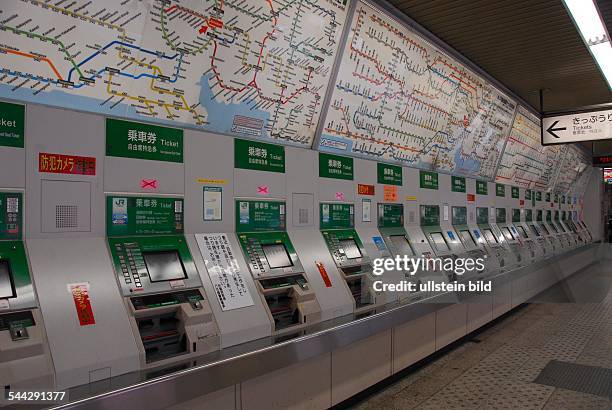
586 126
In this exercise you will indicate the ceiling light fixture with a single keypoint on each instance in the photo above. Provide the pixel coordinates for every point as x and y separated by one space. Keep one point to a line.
588 20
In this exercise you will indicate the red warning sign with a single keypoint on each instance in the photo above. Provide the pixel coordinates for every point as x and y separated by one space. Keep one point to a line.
80 295
66 164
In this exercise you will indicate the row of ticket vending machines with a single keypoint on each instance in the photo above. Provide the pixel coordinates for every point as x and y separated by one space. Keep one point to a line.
289 279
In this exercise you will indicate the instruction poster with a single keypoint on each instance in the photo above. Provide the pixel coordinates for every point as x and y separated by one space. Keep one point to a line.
224 272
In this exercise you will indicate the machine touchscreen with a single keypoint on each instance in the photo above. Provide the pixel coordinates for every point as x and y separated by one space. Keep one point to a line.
277 255
351 250
164 266
439 241
7 288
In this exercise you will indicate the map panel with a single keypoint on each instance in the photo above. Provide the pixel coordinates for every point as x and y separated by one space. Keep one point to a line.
397 98
525 162
574 172
255 68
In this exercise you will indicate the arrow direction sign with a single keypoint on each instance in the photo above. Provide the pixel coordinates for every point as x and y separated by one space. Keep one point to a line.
584 126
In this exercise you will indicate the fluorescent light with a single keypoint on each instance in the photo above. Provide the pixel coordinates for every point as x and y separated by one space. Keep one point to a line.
594 34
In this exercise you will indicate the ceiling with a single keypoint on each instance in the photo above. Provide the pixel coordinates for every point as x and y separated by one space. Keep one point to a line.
527 45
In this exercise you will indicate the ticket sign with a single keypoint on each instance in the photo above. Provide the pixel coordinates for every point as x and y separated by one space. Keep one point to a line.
336 216
389 174
11 215
428 179
500 190
390 215
481 188
515 192
335 166
143 141
12 120
430 215
136 215
259 156
538 195
528 194
260 216
66 164
587 126
458 184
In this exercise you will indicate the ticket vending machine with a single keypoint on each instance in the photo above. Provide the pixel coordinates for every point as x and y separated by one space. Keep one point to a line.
25 361
474 249
169 312
510 249
554 230
573 236
337 224
275 266
562 233
550 242
442 245
521 229
543 247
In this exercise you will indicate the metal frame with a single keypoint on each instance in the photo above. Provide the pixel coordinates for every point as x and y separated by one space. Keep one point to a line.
231 366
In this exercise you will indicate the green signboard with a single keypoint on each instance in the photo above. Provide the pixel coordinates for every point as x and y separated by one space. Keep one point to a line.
389 174
482 215
481 187
336 216
139 215
390 215
458 184
254 216
500 190
430 215
143 141
500 215
516 193
538 195
528 194
12 120
548 197
516 215
11 215
335 166
428 179
259 156
459 216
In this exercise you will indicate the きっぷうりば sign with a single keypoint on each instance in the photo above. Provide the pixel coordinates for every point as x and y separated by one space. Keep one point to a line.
129 139
586 126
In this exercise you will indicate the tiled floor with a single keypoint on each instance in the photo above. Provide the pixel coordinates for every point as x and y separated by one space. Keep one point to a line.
571 322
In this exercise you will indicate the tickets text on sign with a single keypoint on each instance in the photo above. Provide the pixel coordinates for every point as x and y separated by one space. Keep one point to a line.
137 138
66 164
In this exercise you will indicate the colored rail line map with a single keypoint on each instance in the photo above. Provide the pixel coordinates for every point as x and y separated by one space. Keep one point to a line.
398 98
525 162
255 68
574 171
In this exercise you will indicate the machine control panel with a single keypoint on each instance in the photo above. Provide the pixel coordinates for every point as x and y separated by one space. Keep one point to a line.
345 247
270 254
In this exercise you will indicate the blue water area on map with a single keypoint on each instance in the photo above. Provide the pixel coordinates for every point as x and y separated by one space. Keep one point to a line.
221 115
465 166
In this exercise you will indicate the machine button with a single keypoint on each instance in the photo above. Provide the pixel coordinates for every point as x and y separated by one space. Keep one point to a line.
196 305
19 333
139 285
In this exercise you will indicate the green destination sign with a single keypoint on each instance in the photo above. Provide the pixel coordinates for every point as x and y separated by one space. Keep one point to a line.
390 215
336 216
481 188
259 156
138 215
538 195
516 215
459 215
500 190
516 193
482 215
428 180
528 194
260 216
335 166
389 174
12 125
11 215
143 141
430 215
458 184
500 215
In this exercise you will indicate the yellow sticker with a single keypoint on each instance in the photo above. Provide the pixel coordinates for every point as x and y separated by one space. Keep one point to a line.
411 198
212 181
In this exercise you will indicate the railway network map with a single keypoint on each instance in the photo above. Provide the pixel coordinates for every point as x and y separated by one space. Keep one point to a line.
398 98
574 171
256 68
525 162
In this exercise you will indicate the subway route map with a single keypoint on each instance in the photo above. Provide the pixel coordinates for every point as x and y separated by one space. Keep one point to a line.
247 68
398 98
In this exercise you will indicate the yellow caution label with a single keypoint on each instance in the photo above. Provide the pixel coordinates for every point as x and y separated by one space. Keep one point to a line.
211 181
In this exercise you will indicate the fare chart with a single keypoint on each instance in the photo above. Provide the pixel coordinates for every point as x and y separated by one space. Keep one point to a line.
247 68
398 98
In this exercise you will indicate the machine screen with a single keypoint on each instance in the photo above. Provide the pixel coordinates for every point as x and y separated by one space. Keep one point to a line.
7 290
164 266
489 235
523 231
562 228
545 230
277 255
402 244
351 250
535 230
554 228
439 241
467 237
507 233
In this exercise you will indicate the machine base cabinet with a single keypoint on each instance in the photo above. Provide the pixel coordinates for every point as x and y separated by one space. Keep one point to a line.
413 341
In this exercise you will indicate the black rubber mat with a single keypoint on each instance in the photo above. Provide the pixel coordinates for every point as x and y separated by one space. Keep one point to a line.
577 377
